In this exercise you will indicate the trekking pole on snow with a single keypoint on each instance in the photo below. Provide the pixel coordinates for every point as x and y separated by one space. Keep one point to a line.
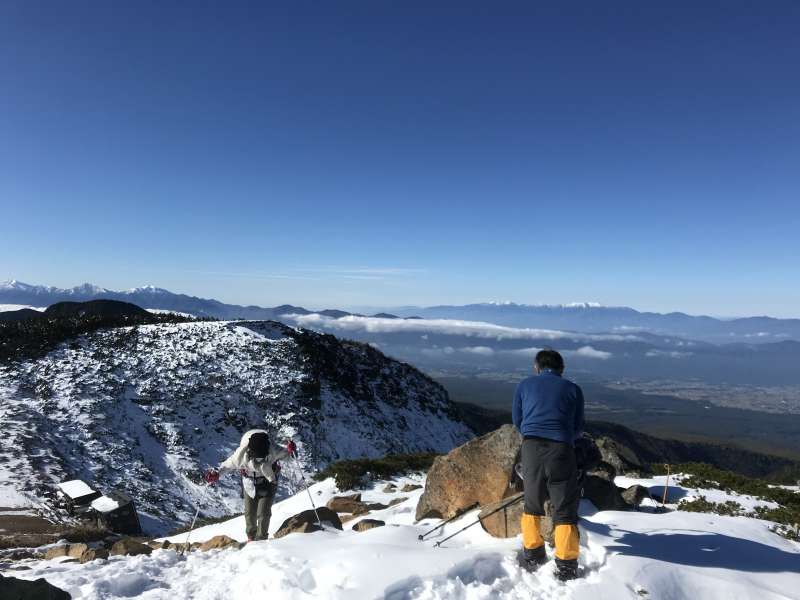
191 527
305 484
478 520
422 536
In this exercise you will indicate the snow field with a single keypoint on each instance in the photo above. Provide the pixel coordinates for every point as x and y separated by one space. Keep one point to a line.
624 555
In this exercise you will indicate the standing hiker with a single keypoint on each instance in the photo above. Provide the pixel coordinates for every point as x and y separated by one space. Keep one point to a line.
256 459
548 412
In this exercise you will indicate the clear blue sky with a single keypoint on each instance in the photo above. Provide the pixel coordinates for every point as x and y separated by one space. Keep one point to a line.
386 153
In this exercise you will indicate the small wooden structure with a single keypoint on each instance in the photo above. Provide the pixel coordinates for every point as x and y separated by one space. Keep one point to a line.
77 496
117 512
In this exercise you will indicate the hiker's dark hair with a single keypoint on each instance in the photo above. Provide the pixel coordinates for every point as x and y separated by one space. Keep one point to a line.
550 359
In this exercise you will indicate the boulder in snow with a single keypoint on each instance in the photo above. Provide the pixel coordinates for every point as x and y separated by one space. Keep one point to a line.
367 524
347 504
76 550
56 552
21 589
129 547
94 554
635 494
218 542
306 522
410 487
603 494
477 472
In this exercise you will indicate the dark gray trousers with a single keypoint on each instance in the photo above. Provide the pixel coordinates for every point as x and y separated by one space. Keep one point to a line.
257 513
549 472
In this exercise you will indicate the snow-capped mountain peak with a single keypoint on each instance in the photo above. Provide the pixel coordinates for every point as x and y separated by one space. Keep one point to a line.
147 289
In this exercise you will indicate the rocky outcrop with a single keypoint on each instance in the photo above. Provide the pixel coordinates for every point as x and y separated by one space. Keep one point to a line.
21 589
619 456
410 487
77 550
603 494
93 554
218 542
306 522
347 504
56 552
130 547
476 473
367 524
635 494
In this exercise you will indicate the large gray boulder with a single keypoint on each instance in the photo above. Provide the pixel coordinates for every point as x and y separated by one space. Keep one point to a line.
476 473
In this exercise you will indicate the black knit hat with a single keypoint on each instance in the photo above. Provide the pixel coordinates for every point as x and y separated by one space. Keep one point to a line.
258 445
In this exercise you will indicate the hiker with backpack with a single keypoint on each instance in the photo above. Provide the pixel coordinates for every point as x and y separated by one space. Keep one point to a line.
548 412
256 459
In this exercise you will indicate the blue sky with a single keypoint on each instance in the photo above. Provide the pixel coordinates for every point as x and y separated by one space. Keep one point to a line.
382 153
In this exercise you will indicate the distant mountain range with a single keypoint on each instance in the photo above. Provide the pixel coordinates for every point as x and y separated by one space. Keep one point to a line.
582 317
150 297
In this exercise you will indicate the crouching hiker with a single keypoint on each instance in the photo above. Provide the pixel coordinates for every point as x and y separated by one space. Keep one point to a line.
548 412
256 459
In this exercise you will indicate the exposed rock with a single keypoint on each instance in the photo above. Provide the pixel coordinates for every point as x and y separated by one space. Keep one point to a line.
635 494
603 494
346 504
20 589
94 554
622 458
76 550
376 506
399 500
477 472
366 524
166 544
56 552
22 554
605 471
306 522
410 487
506 523
389 488
345 518
218 542
130 547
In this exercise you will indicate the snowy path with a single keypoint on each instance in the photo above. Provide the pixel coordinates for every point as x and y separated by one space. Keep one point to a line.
624 554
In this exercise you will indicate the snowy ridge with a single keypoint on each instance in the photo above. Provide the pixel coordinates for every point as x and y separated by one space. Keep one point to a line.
145 409
626 555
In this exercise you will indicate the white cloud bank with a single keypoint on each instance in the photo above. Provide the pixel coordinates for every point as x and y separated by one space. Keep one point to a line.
477 329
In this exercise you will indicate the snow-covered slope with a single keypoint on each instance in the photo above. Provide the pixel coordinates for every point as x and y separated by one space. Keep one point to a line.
624 555
145 409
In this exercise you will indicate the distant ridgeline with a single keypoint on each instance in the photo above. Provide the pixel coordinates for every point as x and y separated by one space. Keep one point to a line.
653 452
30 333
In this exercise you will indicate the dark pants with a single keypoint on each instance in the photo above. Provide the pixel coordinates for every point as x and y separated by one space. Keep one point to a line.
549 472
257 512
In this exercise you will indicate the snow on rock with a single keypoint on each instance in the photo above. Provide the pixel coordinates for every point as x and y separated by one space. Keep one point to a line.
629 555
75 488
145 409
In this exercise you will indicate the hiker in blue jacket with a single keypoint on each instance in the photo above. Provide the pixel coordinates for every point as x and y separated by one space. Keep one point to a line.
548 412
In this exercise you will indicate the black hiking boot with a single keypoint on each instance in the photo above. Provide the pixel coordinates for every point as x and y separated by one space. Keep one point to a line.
533 558
566 570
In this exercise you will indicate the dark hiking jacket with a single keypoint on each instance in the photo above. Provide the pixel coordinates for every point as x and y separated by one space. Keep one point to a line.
548 406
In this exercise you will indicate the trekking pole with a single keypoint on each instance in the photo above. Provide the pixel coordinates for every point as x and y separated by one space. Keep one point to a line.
666 487
191 527
422 536
305 484
478 520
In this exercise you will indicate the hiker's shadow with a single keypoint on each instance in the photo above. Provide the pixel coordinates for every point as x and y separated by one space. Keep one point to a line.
704 549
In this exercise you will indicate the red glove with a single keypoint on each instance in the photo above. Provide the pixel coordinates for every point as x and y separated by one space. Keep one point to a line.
211 476
291 448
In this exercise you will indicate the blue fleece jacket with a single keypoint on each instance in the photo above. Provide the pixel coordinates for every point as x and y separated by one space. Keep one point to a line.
549 406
